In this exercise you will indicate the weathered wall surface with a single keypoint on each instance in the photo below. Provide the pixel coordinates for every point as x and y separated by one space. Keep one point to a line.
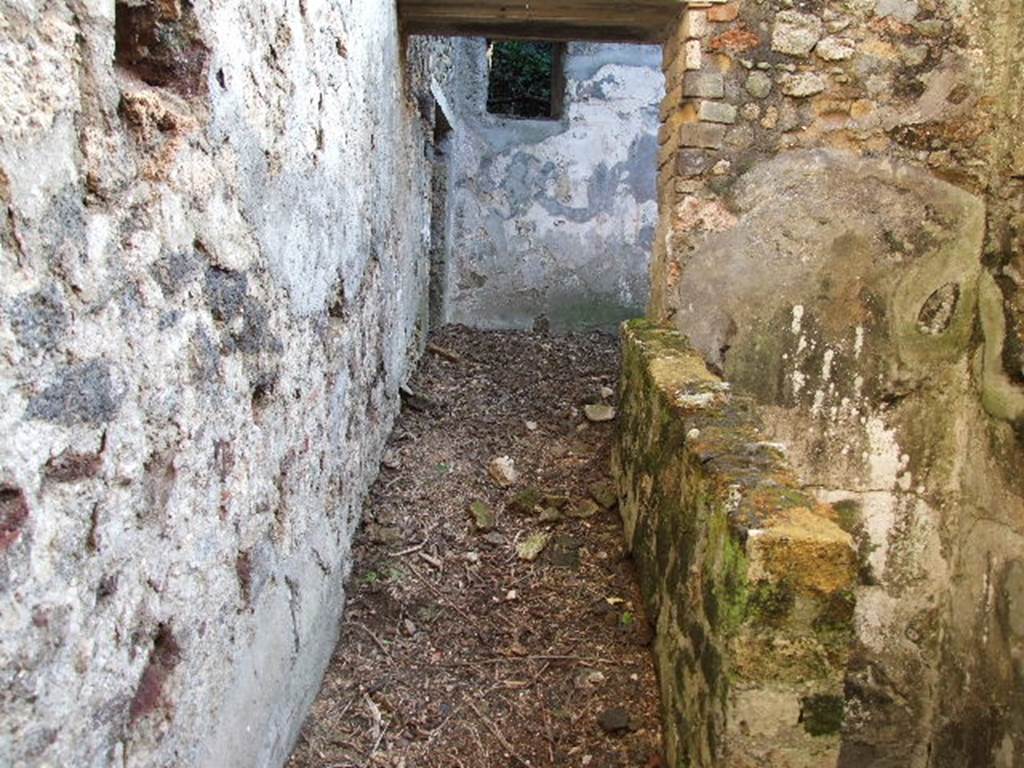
207 306
555 218
749 578
842 238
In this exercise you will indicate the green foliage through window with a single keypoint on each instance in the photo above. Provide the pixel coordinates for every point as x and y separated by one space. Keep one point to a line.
522 79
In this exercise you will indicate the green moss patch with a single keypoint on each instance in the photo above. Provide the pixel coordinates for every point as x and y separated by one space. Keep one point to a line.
822 715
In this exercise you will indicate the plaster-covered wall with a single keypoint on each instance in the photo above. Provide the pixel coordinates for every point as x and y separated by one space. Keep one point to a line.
209 300
555 218
841 184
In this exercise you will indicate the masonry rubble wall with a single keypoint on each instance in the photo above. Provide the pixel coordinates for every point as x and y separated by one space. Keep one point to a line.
555 218
841 188
213 244
748 578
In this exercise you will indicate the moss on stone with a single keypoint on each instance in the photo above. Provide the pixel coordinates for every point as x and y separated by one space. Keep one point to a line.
770 603
822 714
526 501
836 617
732 585
848 514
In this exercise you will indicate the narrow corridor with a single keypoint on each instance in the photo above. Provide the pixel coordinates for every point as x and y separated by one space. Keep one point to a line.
458 648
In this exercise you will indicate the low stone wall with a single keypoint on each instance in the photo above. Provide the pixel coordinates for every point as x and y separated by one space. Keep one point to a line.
749 579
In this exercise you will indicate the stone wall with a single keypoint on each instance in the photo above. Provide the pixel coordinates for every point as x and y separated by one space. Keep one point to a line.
555 218
749 579
209 301
841 236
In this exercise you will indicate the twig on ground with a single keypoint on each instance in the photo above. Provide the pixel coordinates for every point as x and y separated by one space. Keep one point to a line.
437 594
431 560
447 354
376 640
410 550
498 735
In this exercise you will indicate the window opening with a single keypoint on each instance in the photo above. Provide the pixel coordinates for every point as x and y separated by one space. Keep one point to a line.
525 79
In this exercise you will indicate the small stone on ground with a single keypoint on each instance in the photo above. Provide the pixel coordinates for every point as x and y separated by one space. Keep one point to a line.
599 413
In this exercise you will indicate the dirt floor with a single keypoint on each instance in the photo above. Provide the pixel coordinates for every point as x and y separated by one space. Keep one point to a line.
456 649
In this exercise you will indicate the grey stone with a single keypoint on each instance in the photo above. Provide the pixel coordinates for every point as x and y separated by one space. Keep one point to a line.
204 358
83 394
254 336
717 112
599 412
704 85
585 509
173 271
705 135
789 118
692 162
835 49
225 292
929 27
39 320
614 720
495 539
739 137
915 55
564 552
758 84
604 494
802 85
796 33
169 319
904 10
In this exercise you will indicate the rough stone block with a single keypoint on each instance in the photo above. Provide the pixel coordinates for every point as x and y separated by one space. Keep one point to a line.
692 162
724 12
694 25
704 85
903 10
835 49
803 84
717 112
692 54
758 84
796 33
737 39
706 135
